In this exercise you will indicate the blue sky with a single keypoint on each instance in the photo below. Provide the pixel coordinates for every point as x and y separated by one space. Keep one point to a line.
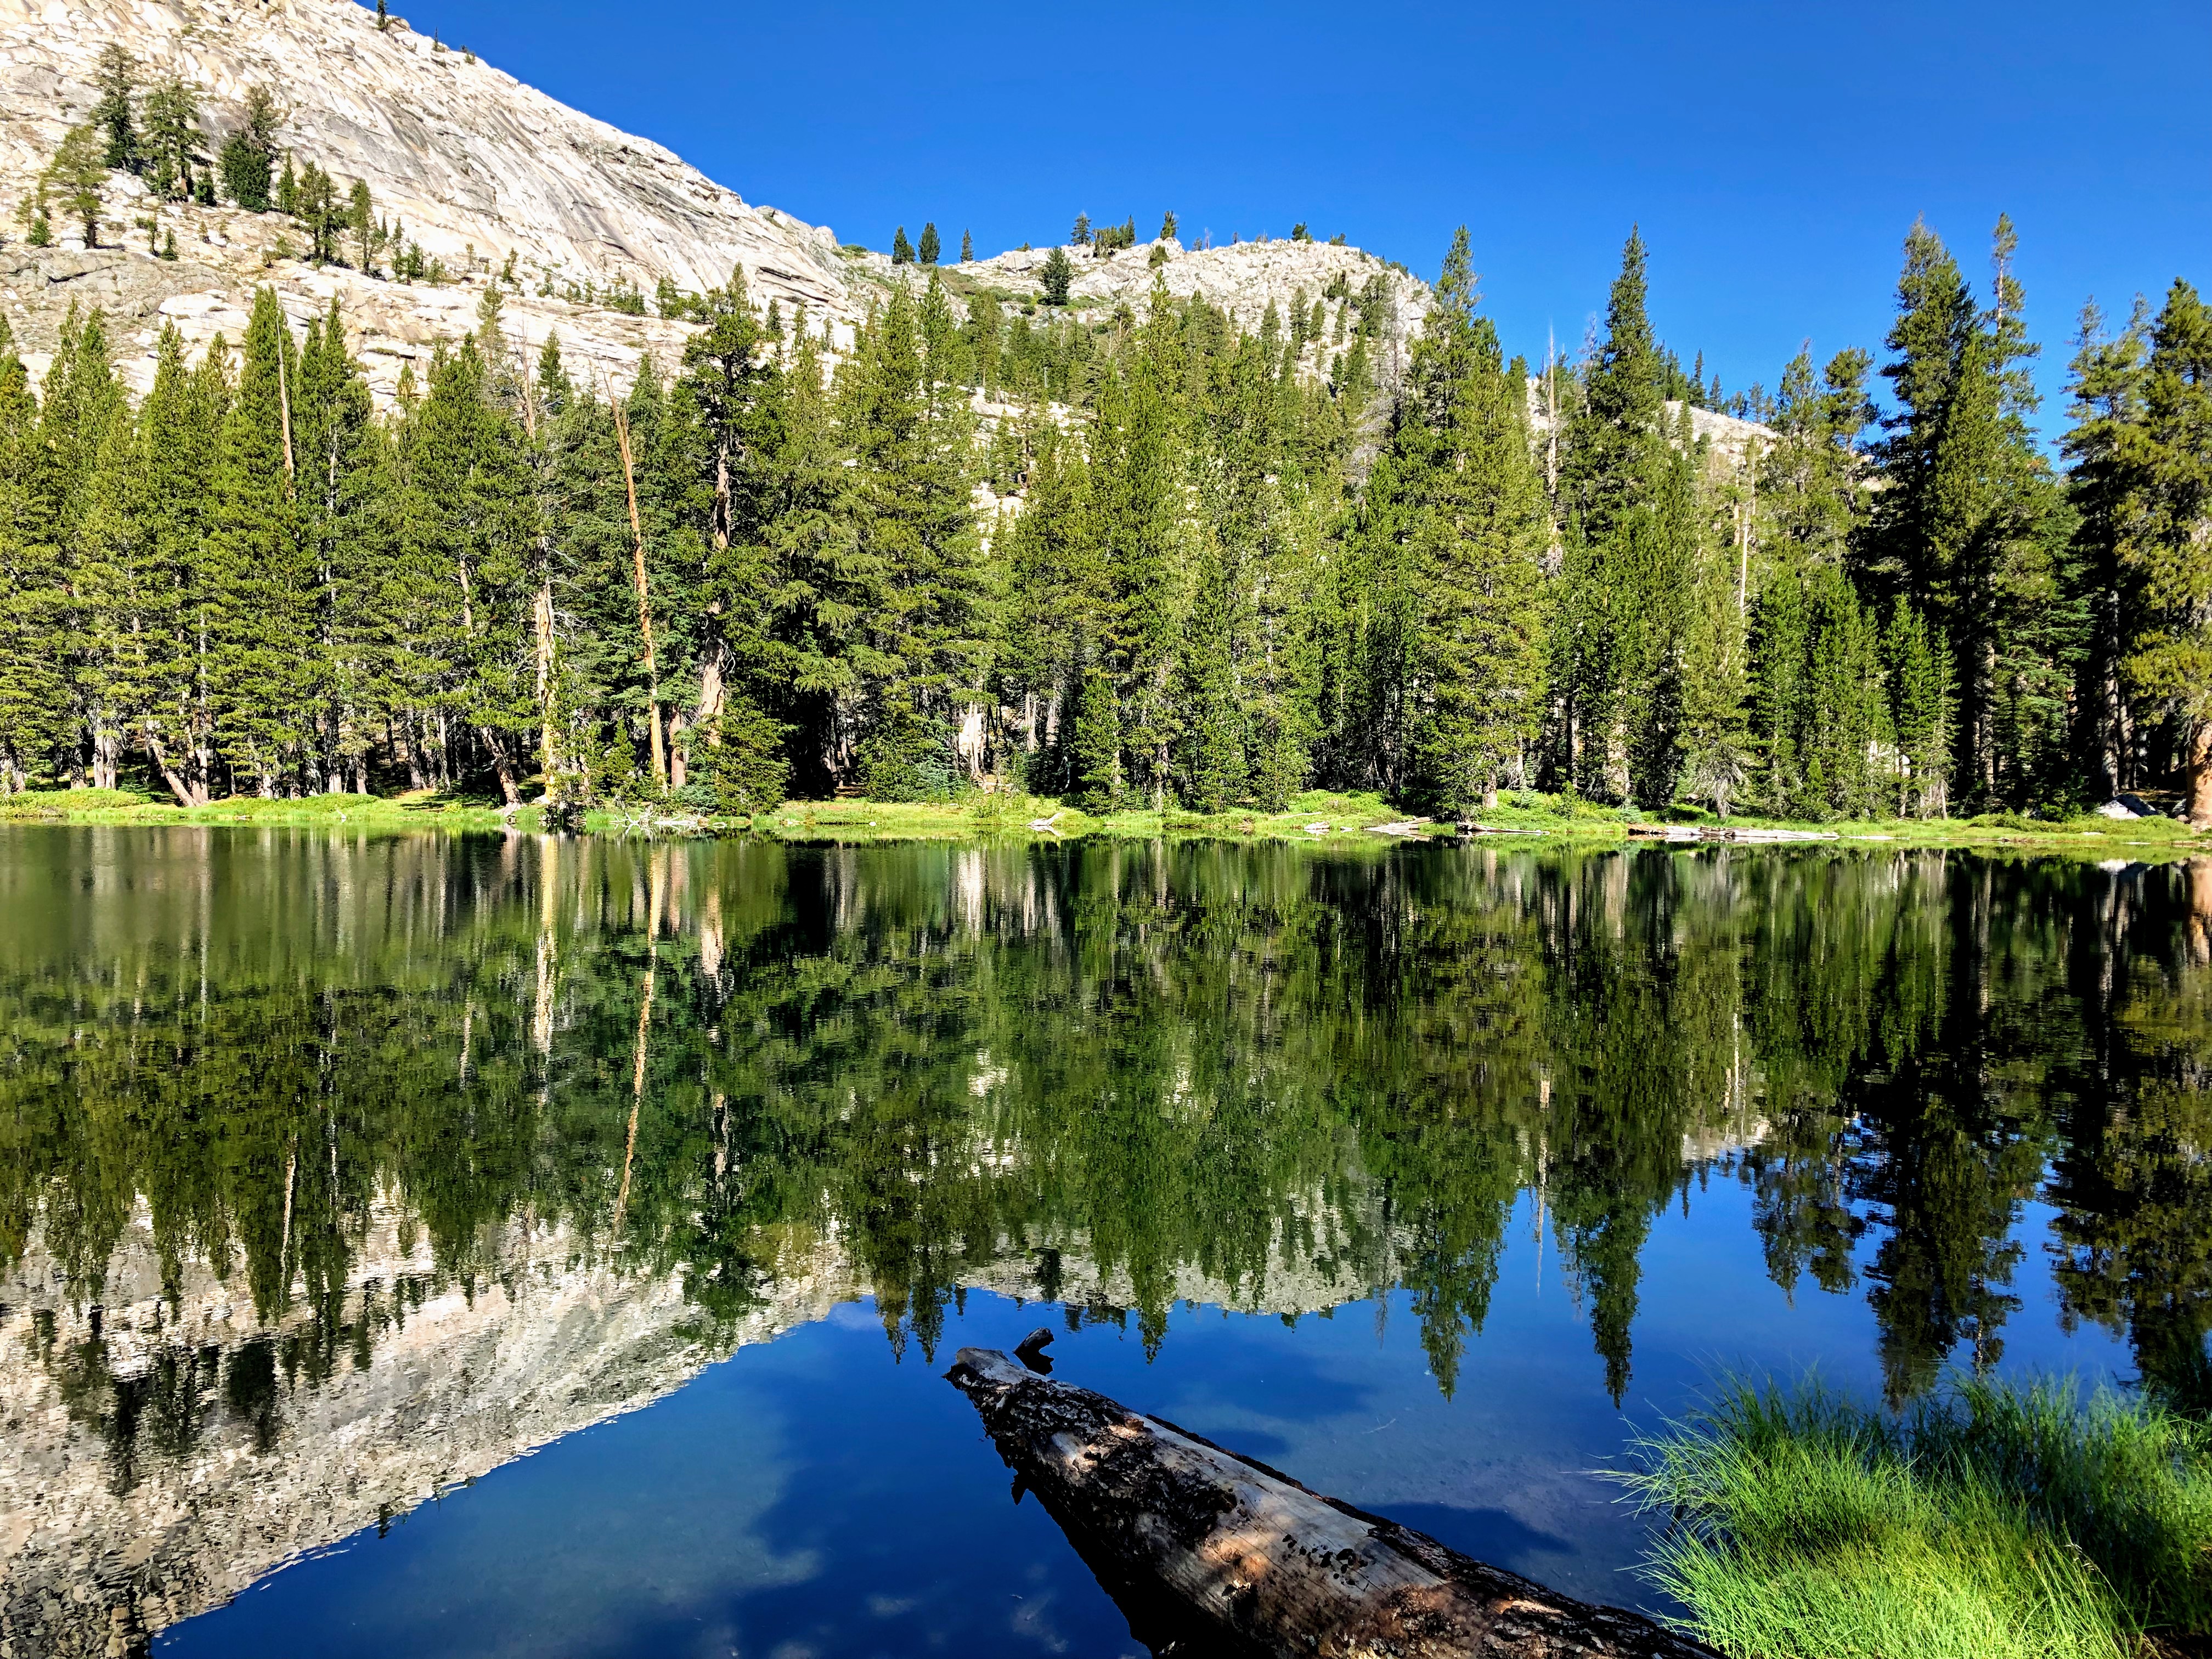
1774 155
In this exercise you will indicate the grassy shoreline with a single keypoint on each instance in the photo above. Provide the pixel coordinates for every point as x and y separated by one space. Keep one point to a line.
1317 817
1990 1521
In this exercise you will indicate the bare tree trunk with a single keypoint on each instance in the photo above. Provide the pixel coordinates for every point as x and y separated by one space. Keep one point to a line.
189 793
1199 1546
502 765
542 619
2197 774
644 603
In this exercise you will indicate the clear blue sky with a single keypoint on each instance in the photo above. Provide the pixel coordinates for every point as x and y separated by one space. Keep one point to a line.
1774 153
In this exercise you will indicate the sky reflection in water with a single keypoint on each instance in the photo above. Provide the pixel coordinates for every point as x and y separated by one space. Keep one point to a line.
1396 1169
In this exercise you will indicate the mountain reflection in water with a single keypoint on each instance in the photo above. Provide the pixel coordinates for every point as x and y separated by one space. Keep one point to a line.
346 1167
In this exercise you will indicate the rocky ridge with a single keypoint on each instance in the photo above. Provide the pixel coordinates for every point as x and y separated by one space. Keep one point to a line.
477 168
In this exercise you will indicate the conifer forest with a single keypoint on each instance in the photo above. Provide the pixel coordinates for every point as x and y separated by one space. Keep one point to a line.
1133 559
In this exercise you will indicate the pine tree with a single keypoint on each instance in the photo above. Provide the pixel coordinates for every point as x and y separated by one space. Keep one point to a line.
179 426
361 220
34 707
1095 728
926 254
909 433
1139 459
1628 487
1920 703
1212 742
260 649
1457 531
2107 391
1655 557
1054 586
1972 526
116 77
1167 228
338 450
2166 549
248 158
1053 278
967 248
1080 235
902 249
73 179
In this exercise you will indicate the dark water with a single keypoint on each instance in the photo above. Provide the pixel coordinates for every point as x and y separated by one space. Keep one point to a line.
337 1175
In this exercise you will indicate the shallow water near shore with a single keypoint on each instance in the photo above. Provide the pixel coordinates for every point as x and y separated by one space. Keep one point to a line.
555 1247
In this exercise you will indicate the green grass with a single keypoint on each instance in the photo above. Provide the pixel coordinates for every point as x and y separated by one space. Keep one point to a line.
1317 816
1994 1522
371 813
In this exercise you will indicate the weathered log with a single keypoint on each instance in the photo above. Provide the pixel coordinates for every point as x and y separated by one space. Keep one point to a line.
1208 1552
1689 832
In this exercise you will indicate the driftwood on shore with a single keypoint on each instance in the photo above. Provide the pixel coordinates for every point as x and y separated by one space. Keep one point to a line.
1722 832
1210 1552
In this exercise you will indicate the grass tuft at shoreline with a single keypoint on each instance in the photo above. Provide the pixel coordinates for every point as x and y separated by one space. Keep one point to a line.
1317 817
1992 1522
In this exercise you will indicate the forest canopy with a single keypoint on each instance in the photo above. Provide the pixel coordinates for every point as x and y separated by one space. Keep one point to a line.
1199 563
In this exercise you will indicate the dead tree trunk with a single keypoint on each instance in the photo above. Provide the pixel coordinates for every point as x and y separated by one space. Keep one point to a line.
1199 1546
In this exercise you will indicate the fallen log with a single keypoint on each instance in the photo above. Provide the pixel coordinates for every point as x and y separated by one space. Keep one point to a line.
1688 832
1208 1552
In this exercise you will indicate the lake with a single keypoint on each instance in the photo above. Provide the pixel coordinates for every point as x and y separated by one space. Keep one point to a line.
554 1247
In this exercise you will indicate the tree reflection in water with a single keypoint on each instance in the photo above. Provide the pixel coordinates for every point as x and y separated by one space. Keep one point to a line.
1176 1063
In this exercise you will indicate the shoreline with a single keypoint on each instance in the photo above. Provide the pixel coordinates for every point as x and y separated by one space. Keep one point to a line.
1315 818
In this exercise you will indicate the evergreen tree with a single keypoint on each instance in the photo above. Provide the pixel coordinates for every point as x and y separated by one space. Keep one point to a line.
2107 391
1211 740
967 248
902 249
909 434
1055 276
1139 476
1458 533
73 179
338 449
259 616
1972 526
361 220
926 254
1095 764
2166 549
116 77
1628 485
179 426
248 158
1919 671
34 711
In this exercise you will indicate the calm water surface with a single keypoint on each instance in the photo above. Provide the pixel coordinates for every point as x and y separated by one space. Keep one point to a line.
554 1247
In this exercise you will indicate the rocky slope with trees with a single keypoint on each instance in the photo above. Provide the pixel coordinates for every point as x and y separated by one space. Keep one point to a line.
1122 522
409 177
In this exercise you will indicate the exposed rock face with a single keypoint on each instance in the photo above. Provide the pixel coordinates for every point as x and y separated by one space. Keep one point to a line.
462 152
1242 279
118 1517
476 167
474 164
389 325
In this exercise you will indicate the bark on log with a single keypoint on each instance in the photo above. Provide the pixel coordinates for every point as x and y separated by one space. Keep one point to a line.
1208 1552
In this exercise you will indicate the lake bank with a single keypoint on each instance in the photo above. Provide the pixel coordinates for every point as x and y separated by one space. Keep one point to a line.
1316 817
